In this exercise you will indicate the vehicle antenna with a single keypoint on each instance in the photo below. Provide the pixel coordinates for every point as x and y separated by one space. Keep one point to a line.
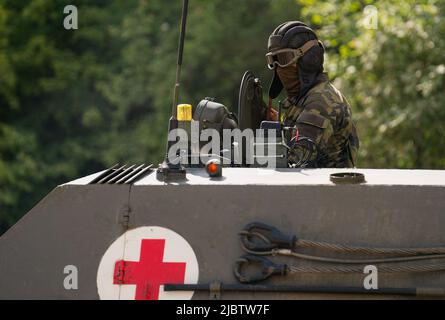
168 170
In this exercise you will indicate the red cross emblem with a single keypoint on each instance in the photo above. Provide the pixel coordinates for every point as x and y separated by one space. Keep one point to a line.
150 272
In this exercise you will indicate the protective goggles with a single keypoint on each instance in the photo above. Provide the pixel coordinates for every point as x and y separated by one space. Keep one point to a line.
286 57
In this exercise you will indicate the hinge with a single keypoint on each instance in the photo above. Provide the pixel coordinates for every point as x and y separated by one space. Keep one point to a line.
124 216
215 290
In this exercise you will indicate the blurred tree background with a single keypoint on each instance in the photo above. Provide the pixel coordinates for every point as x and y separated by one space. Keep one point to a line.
73 102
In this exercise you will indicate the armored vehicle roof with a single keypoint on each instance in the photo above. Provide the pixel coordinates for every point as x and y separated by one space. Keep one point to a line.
291 177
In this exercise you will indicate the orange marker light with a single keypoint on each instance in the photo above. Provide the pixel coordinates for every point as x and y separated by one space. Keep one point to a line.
214 168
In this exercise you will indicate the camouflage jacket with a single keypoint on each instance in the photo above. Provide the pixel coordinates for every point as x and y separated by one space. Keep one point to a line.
324 116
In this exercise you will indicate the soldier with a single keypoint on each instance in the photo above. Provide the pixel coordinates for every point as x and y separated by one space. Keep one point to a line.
326 135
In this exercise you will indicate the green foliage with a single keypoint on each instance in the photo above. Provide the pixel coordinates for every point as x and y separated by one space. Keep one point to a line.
76 101
393 76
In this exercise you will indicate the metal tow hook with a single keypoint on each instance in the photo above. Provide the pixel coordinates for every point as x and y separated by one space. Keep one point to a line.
263 269
269 237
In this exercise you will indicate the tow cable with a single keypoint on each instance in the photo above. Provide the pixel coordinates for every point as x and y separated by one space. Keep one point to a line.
260 240
267 269
273 242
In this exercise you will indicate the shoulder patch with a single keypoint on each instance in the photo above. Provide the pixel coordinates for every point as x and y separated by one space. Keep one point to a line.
313 119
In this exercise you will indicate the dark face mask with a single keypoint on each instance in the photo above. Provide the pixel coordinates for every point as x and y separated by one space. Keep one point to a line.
289 79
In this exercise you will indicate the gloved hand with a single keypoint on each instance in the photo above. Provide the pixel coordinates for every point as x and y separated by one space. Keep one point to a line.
302 152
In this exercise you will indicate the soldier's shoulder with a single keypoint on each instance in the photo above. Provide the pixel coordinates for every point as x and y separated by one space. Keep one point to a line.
324 94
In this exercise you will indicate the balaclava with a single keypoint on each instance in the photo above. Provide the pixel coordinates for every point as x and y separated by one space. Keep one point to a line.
301 77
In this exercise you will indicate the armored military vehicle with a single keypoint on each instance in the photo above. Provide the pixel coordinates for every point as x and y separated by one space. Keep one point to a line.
227 229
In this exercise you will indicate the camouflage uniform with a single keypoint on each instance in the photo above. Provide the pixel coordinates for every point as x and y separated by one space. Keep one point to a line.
323 115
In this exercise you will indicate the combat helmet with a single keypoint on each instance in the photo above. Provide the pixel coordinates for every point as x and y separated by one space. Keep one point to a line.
307 50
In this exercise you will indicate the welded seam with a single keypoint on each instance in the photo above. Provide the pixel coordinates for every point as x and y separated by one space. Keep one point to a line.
125 231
